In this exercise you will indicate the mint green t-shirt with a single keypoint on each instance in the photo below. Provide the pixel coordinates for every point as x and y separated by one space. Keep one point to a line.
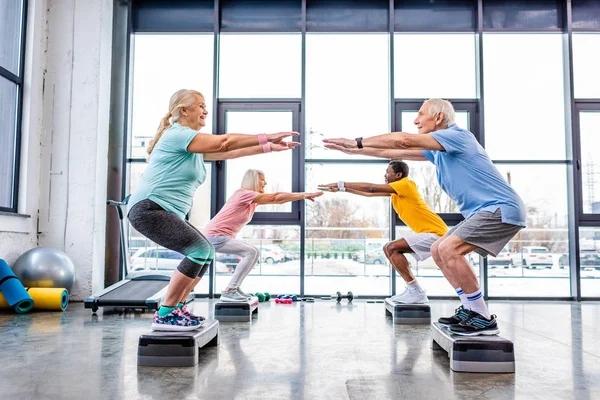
173 174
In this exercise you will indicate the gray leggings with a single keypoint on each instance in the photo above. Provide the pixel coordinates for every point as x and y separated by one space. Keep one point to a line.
168 230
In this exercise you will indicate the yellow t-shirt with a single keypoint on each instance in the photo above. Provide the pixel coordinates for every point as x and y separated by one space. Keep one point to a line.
413 210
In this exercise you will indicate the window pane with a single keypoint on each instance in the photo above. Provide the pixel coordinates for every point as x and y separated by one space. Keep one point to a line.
589 261
531 265
589 121
586 65
260 66
425 79
524 100
8 110
428 273
347 89
345 232
278 268
276 166
10 35
155 81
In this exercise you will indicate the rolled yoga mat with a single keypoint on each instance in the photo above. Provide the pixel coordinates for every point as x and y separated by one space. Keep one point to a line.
14 294
52 299
55 299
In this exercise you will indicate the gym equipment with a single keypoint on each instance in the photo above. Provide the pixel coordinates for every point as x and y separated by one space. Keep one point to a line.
339 296
176 349
408 313
135 290
45 267
52 299
284 301
375 301
260 296
267 296
44 299
15 295
474 353
236 311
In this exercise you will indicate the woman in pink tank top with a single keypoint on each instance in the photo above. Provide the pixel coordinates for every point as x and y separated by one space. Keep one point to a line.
235 214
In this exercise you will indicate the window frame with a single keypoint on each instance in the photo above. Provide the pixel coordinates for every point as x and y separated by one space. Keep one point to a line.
220 167
19 81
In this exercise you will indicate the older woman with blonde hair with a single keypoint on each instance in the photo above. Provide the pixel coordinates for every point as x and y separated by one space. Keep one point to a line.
158 207
235 214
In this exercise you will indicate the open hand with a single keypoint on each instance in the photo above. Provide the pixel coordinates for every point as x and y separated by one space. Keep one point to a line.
342 142
279 136
347 150
328 187
311 196
282 146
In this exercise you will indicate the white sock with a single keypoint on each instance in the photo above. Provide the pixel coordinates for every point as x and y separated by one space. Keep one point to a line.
463 298
477 304
414 286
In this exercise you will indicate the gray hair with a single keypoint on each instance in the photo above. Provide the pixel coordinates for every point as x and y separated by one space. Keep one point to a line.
437 106
251 179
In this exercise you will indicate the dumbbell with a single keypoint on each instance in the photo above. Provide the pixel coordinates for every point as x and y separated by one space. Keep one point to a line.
288 296
338 297
284 301
261 296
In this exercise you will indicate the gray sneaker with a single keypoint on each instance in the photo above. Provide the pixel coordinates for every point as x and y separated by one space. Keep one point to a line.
233 296
240 291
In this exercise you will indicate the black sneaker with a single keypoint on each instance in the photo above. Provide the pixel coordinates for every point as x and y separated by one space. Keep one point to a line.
475 325
459 316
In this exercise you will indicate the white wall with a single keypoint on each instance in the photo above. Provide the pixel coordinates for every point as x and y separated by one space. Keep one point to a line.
65 137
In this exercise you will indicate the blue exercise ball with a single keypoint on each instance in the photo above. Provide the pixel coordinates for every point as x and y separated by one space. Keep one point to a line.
45 267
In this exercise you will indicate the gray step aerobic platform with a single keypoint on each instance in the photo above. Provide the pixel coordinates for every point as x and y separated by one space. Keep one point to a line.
408 313
236 312
474 353
176 349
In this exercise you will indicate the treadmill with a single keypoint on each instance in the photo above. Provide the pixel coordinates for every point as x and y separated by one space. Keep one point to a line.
141 289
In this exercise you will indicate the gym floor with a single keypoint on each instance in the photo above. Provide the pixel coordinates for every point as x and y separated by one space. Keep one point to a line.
321 350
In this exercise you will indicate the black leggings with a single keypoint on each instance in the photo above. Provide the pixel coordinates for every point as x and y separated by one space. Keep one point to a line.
168 230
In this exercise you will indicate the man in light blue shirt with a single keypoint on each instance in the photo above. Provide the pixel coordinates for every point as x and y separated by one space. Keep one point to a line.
493 211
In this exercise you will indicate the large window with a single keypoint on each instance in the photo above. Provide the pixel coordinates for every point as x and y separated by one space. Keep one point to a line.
415 79
335 69
12 32
347 89
524 98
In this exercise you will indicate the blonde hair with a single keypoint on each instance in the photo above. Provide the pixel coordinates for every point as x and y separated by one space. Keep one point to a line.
181 98
437 106
251 179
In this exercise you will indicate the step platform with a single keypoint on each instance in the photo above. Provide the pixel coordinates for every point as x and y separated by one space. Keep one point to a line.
474 353
176 349
408 314
226 311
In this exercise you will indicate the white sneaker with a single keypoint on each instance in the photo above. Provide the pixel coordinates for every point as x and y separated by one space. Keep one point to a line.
233 296
411 297
240 291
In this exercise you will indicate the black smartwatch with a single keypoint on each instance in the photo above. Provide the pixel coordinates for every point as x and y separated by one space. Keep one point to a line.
359 142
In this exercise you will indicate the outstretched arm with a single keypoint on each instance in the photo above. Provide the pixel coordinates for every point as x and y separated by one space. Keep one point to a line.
360 188
249 151
282 197
389 154
204 143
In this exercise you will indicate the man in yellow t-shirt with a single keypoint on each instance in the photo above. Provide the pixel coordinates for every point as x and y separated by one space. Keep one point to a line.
414 212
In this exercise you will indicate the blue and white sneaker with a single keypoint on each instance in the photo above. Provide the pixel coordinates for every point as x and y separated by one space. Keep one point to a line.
460 314
475 325
175 321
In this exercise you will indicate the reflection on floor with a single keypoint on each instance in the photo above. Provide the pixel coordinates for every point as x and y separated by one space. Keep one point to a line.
300 351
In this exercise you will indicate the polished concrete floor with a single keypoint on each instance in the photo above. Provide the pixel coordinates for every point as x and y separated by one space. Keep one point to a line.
300 351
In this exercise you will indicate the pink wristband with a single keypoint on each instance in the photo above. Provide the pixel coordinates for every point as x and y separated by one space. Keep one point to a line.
262 139
266 148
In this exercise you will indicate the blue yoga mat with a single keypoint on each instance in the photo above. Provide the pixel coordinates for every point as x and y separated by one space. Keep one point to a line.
13 291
